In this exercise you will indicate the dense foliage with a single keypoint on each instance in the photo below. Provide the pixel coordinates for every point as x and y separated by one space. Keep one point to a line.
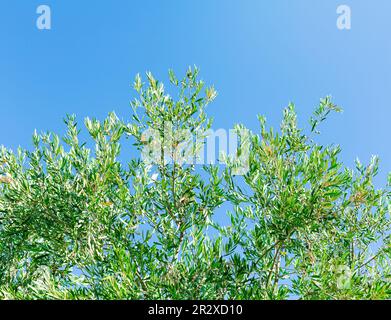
87 223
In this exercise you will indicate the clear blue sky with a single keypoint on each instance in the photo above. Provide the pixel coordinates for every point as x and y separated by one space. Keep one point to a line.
259 54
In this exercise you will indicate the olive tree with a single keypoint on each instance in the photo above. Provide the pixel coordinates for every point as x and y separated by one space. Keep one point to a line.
82 220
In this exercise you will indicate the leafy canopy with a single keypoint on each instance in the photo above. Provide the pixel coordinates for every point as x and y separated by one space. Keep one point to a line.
83 223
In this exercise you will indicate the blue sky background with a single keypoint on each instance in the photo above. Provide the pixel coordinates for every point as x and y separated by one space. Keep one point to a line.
260 55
